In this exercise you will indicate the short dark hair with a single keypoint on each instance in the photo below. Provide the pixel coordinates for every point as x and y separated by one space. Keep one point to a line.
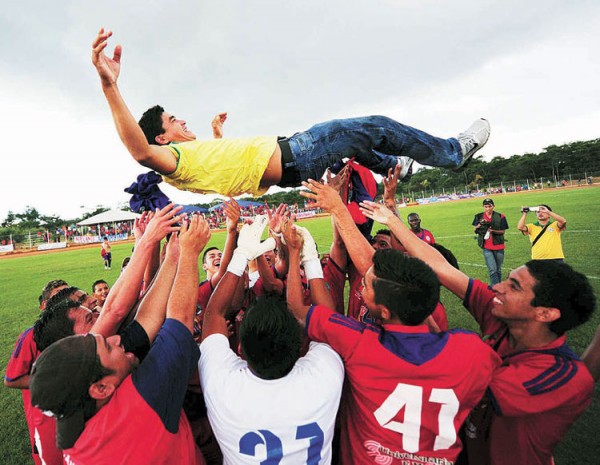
151 123
383 232
447 254
406 286
49 287
63 294
206 252
560 286
99 281
270 337
54 324
412 214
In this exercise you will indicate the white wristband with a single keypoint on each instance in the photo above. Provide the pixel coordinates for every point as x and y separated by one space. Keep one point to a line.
312 269
238 264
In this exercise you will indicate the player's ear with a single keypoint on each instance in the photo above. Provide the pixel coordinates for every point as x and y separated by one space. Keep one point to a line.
101 389
547 314
384 312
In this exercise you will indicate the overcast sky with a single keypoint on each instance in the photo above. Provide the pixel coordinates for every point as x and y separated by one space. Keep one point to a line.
278 67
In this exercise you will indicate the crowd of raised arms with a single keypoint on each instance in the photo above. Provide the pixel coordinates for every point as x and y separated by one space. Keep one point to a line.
266 361
249 365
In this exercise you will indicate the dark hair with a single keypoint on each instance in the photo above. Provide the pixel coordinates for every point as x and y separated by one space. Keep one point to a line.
383 232
560 286
547 206
63 294
206 252
406 286
54 324
99 281
447 254
151 123
412 214
270 338
49 287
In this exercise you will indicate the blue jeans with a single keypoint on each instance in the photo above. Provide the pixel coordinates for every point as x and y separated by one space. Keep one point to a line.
374 141
494 260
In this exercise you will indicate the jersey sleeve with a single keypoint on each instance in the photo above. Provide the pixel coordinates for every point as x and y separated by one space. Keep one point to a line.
519 389
503 222
340 332
476 220
23 356
479 301
217 360
162 377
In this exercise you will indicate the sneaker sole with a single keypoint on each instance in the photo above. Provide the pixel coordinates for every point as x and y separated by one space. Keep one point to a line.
469 155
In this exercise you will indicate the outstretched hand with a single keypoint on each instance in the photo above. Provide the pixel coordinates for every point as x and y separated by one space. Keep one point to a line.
376 211
232 214
390 184
249 243
193 236
108 68
291 236
339 181
162 223
325 197
217 125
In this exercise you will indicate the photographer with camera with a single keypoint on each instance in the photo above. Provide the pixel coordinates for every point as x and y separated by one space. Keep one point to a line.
544 234
490 227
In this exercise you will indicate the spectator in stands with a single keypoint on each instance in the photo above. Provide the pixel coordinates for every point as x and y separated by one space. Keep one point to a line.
545 234
489 227
100 290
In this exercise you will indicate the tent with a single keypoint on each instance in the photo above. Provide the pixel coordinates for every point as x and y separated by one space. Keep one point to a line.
110 216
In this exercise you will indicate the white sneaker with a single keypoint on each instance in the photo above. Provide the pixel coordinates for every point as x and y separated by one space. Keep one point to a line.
473 139
406 168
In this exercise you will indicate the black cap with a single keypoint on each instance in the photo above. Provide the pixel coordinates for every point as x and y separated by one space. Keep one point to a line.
488 201
59 383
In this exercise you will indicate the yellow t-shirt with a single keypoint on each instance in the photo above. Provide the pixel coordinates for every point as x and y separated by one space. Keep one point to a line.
223 166
549 246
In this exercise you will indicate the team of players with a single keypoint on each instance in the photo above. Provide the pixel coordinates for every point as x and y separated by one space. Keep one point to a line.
409 388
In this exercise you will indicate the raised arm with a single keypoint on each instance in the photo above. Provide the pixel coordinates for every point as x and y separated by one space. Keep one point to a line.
521 226
232 215
125 292
294 291
560 221
184 293
217 125
453 279
249 247
152 309
155 157
359 249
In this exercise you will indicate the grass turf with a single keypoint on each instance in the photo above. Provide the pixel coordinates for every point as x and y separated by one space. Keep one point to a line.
22 278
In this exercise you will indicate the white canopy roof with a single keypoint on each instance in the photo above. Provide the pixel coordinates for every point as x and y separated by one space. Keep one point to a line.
110 216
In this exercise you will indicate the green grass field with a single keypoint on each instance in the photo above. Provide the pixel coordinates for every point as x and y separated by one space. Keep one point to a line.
22 278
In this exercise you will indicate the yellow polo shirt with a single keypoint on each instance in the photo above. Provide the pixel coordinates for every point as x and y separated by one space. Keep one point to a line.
228 167
549 246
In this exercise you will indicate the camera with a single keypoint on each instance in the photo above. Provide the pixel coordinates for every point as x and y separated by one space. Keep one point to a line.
530 209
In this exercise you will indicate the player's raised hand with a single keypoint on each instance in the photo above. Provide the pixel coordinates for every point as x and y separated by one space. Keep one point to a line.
249 243
194 236
376 211
163 223
325 197
217 125
390 184
339 181
232 214
291 237
108 68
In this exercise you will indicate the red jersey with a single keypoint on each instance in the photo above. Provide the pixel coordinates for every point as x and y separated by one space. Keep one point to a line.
143 422
42 428
335 278
410 390
356 305
425 236
536 394
440 317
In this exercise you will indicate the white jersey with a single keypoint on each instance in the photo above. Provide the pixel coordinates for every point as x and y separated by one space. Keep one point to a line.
288 420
